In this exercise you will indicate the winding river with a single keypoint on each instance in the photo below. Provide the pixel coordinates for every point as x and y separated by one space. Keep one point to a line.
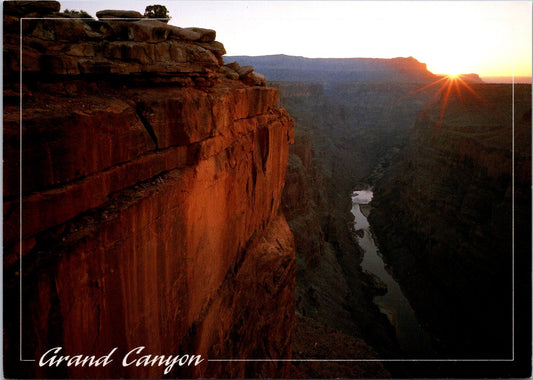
413 339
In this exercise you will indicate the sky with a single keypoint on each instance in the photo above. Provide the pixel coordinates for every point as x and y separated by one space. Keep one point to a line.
490 38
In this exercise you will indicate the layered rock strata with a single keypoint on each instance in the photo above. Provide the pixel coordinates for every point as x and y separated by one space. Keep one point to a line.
148 208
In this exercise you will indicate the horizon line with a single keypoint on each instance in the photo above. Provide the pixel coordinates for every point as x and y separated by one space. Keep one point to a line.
509 77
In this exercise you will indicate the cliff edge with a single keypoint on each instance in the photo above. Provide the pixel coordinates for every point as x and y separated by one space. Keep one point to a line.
142 189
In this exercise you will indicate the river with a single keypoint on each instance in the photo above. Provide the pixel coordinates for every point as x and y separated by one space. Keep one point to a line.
414 341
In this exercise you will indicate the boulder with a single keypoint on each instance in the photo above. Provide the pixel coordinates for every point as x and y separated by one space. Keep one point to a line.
111 13
229 73
254 79
178 33
139 31
245 70
216 47
198 54
206 35
148 30
20 8
234 66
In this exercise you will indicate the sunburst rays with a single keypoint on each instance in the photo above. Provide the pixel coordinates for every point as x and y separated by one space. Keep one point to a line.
447 86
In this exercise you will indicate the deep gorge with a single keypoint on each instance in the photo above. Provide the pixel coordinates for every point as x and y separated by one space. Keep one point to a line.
424 162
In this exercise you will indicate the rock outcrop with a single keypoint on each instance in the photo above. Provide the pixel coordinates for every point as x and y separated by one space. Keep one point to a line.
148 211
144 50
446 213
118 14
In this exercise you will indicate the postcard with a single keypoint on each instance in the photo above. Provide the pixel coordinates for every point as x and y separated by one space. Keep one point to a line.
267 189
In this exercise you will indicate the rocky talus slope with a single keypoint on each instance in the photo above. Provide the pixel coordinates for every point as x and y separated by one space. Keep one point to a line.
150 196
453 216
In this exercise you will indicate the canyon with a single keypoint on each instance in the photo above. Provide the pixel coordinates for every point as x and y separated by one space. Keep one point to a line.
451 178
342 137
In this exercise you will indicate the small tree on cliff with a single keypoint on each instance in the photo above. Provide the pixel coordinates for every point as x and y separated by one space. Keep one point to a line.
77 14
157 11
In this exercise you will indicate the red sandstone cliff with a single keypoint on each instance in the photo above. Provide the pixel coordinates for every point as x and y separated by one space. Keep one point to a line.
151 187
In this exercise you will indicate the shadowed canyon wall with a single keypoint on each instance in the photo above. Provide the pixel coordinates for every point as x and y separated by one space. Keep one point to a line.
150 199
453 216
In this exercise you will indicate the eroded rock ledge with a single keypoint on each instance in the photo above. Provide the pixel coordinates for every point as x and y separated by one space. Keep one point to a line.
151 187
120 44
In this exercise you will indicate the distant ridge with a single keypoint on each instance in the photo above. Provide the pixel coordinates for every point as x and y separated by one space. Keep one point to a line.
282 67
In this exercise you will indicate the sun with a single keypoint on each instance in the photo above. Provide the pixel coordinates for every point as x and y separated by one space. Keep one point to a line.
453 71
448 66
448 86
